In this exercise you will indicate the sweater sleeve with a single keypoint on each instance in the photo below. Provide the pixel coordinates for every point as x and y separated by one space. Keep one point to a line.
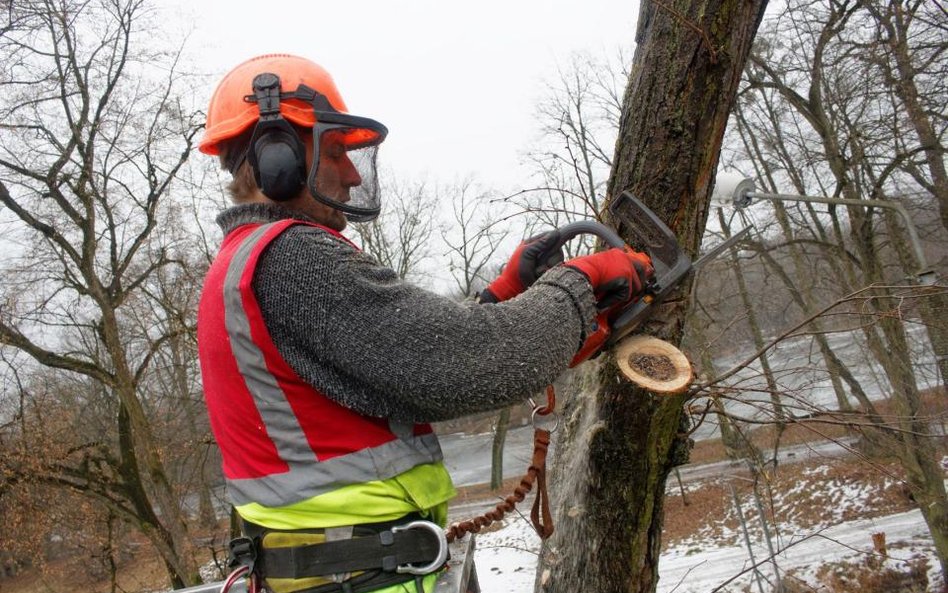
386 348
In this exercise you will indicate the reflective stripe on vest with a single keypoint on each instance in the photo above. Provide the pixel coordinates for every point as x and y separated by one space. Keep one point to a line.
308 456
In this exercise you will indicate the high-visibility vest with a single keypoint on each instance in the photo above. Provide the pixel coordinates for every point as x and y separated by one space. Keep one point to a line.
282 441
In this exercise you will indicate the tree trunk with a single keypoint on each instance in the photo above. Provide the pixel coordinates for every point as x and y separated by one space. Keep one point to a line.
780 416
497 449
933 306
181 562
618 444
735 442
150 525
800 291
180 383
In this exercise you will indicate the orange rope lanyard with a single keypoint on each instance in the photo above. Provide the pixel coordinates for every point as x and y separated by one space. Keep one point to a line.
540 515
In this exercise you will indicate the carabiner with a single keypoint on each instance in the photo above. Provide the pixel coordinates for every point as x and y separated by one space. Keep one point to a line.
435 564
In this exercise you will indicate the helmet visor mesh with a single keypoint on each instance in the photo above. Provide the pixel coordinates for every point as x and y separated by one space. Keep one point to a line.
345 173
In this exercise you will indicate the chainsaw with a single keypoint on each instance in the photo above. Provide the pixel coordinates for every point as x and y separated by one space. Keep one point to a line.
671 264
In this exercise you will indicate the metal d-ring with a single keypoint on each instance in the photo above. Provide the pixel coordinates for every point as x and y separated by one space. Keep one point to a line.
548 417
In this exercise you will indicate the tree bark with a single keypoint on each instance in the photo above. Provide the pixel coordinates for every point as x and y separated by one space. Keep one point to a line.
619 444
497 449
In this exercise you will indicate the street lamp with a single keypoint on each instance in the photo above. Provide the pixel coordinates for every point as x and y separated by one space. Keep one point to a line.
734 188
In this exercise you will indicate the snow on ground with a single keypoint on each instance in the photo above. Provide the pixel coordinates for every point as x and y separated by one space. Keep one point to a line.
716 557
703 569
506 559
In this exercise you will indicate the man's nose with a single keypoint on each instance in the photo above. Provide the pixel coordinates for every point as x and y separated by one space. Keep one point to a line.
350 174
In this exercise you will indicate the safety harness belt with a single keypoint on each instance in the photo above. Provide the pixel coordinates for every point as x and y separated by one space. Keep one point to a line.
396 550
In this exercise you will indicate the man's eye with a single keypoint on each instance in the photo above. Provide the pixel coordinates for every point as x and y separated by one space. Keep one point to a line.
333 144
333 148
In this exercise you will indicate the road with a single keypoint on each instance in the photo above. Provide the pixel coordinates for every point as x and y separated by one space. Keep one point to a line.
467 457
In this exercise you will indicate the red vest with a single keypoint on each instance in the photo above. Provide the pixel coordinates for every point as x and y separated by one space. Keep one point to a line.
282 441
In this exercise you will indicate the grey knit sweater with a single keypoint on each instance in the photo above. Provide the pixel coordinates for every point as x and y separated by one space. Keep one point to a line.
384 348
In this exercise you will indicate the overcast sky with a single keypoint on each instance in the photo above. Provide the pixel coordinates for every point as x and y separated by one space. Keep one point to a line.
455 82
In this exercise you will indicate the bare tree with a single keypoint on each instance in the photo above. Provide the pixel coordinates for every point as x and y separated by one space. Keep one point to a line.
92 138
909 46
751 317
821 117
400 237
61 476
799 282
473 236
579 118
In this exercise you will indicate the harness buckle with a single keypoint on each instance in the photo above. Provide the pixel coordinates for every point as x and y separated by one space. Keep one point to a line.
435 564
242 552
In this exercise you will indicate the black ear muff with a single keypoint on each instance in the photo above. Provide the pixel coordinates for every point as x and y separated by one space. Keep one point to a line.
278 159
276 153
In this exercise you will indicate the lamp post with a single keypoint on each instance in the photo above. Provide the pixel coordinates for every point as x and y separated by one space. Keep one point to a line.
734 188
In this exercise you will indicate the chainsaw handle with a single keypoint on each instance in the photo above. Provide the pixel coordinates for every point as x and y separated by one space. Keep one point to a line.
589 227
610 238
631 316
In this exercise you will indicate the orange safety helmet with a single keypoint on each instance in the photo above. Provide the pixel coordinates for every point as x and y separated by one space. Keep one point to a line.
230 114
269 92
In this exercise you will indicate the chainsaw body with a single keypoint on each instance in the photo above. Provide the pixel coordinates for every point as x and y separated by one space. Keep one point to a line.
671 265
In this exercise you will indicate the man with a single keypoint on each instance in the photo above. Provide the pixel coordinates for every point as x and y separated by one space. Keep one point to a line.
322 369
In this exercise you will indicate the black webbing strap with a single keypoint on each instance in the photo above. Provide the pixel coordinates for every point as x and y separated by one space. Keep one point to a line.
383 551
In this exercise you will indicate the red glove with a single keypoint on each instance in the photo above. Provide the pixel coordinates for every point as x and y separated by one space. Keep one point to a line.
617 276
529 261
